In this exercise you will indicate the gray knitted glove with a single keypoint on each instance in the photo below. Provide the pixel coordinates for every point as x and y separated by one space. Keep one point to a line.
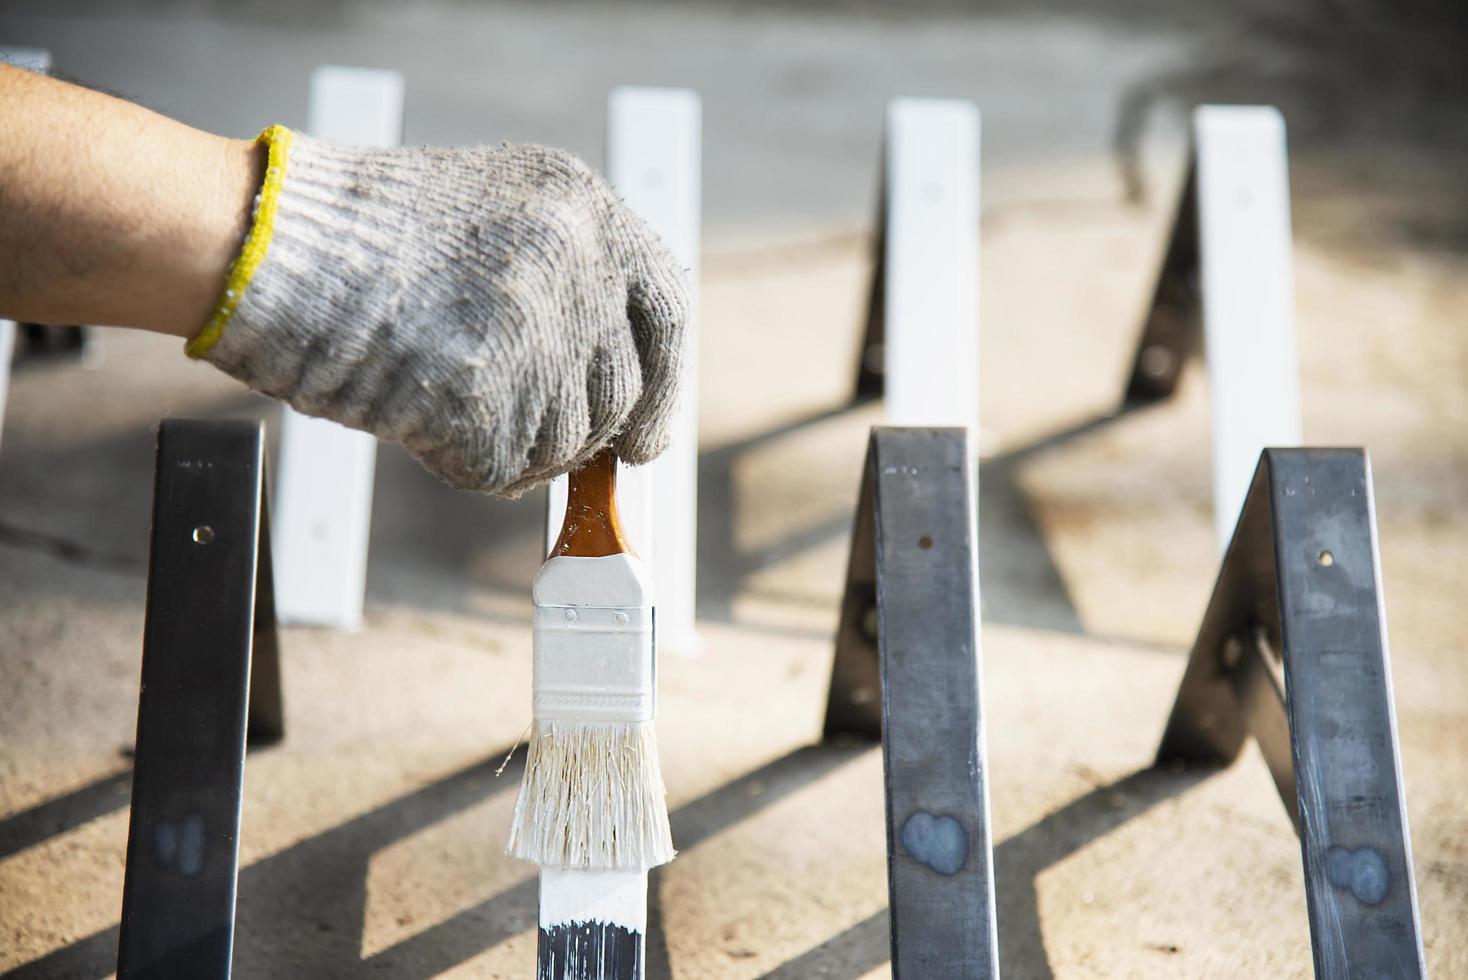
499 312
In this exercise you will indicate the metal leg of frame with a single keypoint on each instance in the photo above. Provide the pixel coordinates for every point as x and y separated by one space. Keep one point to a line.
1293 651
1174 326
871 357
209 562
908 664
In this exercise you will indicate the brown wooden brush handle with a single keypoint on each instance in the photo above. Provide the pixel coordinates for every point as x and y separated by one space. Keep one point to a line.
593 528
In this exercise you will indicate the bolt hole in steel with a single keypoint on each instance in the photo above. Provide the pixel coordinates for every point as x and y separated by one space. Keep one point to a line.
1326 559
203 534
1156 361
874 359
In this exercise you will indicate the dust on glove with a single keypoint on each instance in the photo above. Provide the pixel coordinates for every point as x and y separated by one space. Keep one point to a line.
497 311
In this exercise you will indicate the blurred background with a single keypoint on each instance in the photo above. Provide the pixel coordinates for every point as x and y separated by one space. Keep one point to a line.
371 839
1373 91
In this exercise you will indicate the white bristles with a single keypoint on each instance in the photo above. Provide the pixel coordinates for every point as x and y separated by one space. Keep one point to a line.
593 798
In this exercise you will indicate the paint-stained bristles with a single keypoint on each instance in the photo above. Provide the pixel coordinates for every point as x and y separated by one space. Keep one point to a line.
593 798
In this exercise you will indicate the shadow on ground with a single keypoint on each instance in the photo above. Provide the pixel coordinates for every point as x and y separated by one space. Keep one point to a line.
311 897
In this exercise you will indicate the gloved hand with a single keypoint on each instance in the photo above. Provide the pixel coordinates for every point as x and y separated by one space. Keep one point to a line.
497 311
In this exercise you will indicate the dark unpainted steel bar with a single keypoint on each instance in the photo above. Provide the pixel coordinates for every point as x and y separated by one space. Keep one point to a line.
854 706
910 629
871 364
1174 326
183 839
1259 686
266 722
589 951
1301 577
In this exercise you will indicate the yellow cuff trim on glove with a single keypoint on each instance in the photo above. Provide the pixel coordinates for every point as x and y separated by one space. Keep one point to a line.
257 243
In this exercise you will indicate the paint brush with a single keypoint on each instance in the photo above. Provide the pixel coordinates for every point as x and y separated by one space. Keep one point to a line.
592 810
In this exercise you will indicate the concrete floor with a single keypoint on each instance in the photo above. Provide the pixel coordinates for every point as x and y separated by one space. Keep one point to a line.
371 843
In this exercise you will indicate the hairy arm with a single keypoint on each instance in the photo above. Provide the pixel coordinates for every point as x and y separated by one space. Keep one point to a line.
112 214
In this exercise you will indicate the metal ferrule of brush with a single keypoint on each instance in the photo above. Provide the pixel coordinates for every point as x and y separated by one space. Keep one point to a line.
594 664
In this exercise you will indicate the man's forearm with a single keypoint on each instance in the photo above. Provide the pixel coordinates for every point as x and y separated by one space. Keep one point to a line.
112 214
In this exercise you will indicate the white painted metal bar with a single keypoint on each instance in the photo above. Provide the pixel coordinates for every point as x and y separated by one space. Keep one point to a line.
35 59
653 150
323 499
1243 201
931 262
653 160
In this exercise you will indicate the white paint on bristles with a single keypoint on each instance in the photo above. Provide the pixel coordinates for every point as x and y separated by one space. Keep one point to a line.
323 500
653 160
1243 199
616 898
931 257
38 60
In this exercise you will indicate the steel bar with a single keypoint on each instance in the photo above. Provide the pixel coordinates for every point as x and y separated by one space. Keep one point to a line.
930 263
871 356
1173 328
1229 268
654 160
266 722
914 554
1301 577
183 837
654 138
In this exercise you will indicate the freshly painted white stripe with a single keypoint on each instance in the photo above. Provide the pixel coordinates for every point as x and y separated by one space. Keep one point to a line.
1248 295
35 59
931 255
360 106
613 897
323 500
653 160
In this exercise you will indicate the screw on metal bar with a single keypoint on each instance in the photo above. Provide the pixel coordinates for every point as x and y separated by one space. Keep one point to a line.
1156 362
1232 653
869 624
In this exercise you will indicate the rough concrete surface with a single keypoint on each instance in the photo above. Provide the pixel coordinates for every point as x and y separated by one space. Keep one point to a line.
372 834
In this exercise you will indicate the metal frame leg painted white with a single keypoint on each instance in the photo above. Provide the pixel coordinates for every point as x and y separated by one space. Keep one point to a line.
653 138
922 345
653 160
34 59
1229 273
1243 187
323 499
